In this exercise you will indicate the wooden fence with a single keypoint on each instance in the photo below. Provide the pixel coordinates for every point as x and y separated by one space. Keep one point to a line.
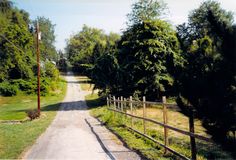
117 105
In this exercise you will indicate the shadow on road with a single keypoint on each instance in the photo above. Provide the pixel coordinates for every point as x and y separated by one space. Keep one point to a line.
100 141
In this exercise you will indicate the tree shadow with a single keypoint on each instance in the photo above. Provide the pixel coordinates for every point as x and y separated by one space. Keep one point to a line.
68 106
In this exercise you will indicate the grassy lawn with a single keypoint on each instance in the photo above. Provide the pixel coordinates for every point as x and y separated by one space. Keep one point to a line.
178 142
16 137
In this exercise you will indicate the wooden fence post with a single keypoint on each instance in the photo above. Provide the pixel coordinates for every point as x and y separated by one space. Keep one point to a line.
121 99
131 109
109 97
121 108
144 114
165 120
125 106
118 103
192 139
114 101
108 104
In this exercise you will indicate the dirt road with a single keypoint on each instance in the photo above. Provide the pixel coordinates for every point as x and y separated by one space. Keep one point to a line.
74 134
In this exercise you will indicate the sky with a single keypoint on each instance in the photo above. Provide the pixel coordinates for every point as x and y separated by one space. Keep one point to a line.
69 16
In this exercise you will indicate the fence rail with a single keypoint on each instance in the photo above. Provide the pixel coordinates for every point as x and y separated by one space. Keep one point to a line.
118 106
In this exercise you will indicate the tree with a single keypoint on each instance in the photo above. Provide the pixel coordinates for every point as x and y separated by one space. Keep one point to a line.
81 45
15 47
17 53
5 5
148 53
198 25
144 10
86 46
47 48
207 81
105 74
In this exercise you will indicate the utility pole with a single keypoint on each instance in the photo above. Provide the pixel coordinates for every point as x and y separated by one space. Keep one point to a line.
38 35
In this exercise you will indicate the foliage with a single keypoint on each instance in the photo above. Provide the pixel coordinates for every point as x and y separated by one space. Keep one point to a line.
17 50
62 62
207 80
80 46
16 62
51 71
144 10
47 48
86 46
105 74
8 90
29 87
148 54
199 26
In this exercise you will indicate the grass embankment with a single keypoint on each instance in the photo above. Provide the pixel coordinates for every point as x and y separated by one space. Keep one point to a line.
180 143
136 142
15 137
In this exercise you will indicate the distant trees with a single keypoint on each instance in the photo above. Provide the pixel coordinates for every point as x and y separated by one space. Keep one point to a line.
86 46
47 48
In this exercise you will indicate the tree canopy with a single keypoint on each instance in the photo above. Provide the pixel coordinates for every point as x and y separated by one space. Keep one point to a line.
87 45
148 52
144 10
18 51
207 79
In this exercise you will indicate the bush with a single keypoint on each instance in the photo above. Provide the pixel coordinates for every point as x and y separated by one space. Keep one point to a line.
27 86
51 71
33 114
30 86
8 90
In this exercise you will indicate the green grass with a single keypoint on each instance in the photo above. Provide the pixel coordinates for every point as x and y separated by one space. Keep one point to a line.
16 137
85 83
136 142
178 142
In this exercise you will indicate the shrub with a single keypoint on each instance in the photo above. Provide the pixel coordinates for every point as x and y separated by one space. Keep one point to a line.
33 114
45 86
51 71
8 90
27 86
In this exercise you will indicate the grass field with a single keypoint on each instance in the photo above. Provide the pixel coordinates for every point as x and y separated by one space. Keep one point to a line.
179 142
16 136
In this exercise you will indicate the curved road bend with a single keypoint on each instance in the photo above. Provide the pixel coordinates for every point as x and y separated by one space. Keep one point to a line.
74 134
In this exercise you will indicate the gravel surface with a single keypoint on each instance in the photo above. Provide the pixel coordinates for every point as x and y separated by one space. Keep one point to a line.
74 134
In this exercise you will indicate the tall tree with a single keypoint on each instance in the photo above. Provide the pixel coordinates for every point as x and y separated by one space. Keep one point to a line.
144 10
148 53
47 29
86 46
206 81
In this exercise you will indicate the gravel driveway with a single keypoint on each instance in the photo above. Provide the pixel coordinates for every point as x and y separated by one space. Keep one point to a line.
74 134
